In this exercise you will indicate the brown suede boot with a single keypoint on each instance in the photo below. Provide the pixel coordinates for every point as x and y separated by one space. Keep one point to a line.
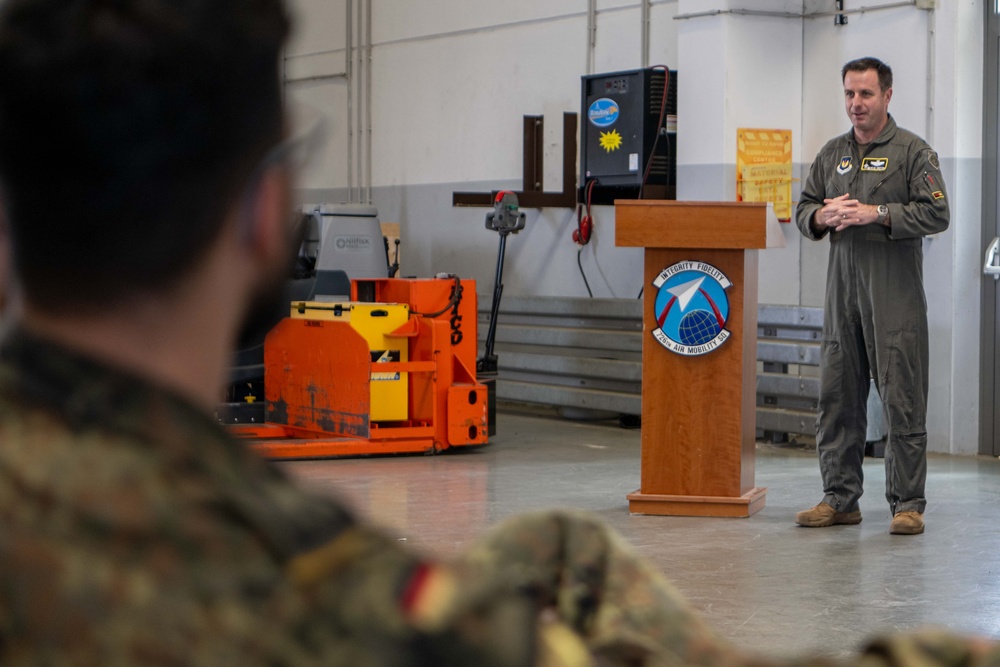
824 515
907 523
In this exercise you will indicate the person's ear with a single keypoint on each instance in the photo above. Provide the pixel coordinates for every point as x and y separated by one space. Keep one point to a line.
268 230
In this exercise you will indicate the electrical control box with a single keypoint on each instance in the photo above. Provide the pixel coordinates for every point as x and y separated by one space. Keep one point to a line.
628 136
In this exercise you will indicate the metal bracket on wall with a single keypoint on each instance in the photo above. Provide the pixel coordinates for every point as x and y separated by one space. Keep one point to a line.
533 195
840 19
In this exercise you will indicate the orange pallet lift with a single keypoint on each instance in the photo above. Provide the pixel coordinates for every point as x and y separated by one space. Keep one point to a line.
326 364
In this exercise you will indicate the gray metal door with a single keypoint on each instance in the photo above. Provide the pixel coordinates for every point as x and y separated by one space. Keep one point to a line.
989 436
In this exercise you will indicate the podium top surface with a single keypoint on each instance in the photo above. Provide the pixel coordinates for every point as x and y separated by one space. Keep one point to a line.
655 223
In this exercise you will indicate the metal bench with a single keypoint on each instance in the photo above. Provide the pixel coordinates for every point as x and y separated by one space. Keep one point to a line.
586 354
788 349
568 352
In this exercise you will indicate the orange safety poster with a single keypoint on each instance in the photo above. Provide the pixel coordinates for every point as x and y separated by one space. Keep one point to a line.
764 168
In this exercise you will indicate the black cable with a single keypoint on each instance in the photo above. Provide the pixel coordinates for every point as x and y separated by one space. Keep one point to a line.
660 129
456 296
641 289
579 263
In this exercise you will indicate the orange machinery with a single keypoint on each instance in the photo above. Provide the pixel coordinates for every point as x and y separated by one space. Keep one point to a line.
392 371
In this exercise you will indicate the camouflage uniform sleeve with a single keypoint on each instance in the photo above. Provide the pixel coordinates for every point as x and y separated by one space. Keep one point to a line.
402 609
595 590
549 590
74 604
925 648
930 648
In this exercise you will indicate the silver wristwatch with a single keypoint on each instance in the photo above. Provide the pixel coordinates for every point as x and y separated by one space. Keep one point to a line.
883 213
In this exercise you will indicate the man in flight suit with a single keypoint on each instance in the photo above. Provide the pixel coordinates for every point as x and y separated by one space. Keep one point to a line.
877 191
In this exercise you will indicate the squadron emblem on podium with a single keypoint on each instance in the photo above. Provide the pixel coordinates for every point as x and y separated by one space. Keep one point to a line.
692 308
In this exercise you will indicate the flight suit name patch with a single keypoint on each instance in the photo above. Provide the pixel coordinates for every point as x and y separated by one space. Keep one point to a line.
875 164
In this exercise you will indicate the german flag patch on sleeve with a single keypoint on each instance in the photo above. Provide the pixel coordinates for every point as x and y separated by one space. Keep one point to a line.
429 596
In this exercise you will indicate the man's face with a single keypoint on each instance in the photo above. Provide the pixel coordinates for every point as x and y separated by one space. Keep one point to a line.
867 106
268 305
269 297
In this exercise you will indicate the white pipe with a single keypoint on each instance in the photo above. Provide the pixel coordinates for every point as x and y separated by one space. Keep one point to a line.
314 77
368 104
321 52
511 25
931 80
862 10
741 12
350 99
792 15
645 32
318 77
359 102
591 29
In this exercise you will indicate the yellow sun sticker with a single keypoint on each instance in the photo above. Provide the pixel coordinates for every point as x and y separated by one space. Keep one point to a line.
611 141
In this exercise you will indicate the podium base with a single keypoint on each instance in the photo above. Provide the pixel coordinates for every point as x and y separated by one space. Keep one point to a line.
746 505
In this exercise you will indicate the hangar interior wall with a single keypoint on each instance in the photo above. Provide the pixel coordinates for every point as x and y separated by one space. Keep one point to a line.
430 99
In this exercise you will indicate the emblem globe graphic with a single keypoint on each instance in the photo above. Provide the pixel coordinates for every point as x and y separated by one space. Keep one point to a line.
698 327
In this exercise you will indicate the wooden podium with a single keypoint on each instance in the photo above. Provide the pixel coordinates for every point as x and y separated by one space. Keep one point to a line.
698 392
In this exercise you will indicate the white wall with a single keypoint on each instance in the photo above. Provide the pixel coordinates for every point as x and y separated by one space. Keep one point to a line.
958 132
751 77
452 79
451 83
317 49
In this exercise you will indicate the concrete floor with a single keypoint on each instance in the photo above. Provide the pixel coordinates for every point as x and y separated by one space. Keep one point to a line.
765 583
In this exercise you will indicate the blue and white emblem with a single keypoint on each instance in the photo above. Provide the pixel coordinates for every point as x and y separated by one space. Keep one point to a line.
846 164
603 112
691 308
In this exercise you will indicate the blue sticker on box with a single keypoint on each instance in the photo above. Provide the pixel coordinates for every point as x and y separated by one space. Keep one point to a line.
603 112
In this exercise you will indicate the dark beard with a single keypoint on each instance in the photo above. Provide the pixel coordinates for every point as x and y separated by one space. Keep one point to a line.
271 302
269 306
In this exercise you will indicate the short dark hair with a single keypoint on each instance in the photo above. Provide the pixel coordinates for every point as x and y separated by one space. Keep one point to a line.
867 63
128 129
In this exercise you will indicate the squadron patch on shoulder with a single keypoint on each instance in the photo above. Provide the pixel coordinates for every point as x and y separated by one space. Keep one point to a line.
846 163
932 157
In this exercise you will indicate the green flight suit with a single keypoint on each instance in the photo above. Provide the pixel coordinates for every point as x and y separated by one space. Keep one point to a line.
875 322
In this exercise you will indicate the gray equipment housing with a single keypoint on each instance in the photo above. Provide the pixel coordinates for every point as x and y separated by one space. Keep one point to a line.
345 237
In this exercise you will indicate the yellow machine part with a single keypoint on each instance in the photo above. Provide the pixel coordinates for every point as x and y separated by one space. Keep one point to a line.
373 321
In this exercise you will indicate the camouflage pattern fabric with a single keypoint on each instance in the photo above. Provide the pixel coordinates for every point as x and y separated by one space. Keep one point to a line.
590 581
134 531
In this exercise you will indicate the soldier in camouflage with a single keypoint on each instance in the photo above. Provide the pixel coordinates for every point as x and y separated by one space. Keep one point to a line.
133 530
